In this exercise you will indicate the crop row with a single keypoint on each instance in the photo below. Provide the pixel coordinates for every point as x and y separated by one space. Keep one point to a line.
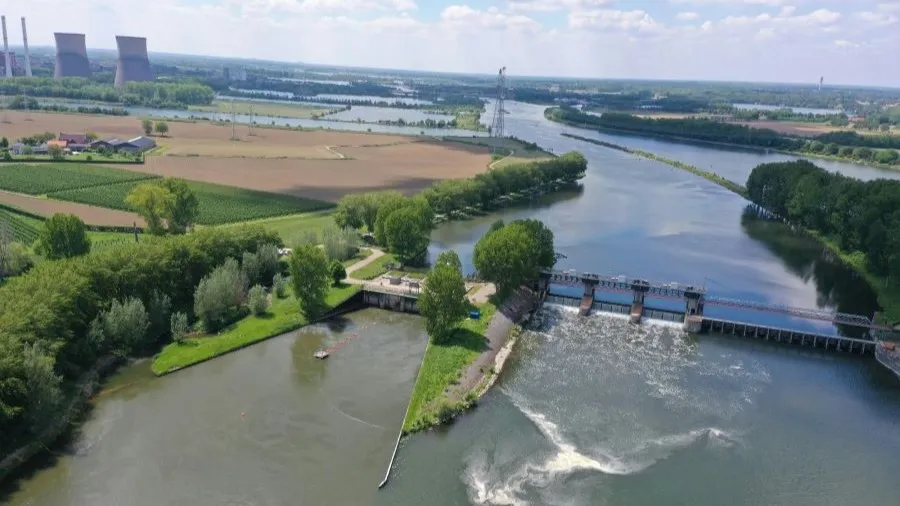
20 230
218 204
38 179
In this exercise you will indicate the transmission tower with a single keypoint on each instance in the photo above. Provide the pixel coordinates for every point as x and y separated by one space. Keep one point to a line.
497 124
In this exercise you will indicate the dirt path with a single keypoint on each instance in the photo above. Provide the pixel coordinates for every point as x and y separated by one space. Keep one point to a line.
376 254
482 294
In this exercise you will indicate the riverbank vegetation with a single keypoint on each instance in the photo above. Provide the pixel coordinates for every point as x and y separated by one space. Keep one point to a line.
61 313
858 219
168 95
870 149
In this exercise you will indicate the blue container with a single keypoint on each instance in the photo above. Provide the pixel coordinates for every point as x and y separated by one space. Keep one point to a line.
475 314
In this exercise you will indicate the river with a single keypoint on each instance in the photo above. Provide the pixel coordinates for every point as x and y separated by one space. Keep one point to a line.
588 411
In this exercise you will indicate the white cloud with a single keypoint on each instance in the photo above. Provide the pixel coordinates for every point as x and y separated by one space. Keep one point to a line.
492 18
735 2
687 16
845 43
889 7
609 19
555 5
883 18
322 6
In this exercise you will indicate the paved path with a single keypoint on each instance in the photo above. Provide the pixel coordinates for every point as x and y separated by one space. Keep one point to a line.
482 294
376 254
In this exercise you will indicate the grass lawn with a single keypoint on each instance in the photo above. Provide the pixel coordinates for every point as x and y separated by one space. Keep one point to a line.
289 227
361 255
442 367
376 268
283 316
409 274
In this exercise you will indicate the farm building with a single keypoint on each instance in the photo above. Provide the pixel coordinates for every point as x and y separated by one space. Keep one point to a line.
74 138
136 145
142 143
105 144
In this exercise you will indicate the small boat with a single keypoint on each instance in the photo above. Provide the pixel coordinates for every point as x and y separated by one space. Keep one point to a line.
322 355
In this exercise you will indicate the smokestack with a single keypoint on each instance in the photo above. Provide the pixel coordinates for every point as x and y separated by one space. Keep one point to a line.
133 63
71 56
6 48
27 56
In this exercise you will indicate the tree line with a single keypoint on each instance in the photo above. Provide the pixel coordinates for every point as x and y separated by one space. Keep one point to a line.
855 139
174 95
20 103
860 216
61 316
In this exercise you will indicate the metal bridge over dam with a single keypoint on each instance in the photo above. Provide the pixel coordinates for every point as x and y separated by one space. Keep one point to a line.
695 300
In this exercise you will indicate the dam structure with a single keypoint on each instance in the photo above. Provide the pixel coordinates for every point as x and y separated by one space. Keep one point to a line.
71 56
133 64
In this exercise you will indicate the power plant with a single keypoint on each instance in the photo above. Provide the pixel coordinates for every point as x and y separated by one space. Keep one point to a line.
25 43
7 59
133 63
71 56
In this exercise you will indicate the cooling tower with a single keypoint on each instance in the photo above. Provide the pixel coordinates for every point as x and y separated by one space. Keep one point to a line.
71 56
133 63
27 56
6 48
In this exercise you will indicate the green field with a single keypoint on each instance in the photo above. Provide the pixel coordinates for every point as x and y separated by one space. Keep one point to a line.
218 204
24 228
290 227
42 178
442 367
283 316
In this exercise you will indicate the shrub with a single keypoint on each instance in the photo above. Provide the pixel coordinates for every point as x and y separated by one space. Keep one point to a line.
250 268
125 325
160 309
337 271
340 243
305 238
178 326
279 286
257 301
220 295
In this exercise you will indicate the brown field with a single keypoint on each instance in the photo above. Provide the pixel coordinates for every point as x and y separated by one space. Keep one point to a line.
407 167
302 163
793 128
90 214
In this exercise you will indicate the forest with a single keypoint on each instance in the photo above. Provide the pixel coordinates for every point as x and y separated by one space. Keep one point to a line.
176 95
858 216
49 316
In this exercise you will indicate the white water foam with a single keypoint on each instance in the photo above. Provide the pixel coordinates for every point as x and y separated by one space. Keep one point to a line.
565 459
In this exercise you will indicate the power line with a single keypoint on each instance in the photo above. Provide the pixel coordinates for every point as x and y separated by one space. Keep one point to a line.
498 125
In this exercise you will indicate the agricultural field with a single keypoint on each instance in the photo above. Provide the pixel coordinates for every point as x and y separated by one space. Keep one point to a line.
292 226
260 108
91 215
43 178
218 204
23 228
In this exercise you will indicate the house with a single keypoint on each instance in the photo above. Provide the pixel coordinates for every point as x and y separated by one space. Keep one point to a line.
142 143
43 149
73 147
17 148
74 138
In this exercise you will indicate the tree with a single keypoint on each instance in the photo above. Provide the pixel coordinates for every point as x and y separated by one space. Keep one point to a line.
388 203
279 286
162 128
4 143
56 152
337 272
886 156
154 203
159 310
514 254
443 301
178 326
405 235
310 279
147 125
257 300
90 136
220 295
183 208
125 325
340 244
63 236
43 385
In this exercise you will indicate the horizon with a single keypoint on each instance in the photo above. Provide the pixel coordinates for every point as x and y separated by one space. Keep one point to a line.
716 41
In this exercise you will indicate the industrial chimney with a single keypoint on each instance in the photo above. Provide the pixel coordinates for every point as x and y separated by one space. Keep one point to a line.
27 56
133 63
6 48
71 56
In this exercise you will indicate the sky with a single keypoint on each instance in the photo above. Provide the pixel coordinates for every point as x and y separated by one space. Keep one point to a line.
846 41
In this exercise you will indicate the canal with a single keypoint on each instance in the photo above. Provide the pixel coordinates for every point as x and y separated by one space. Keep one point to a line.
589 411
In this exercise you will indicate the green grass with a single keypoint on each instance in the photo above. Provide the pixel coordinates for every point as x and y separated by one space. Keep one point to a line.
290 227
283 316
218 204
41 178
408 274
376 268
361 255
442 367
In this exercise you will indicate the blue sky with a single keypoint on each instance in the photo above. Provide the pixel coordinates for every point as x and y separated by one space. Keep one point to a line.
847 41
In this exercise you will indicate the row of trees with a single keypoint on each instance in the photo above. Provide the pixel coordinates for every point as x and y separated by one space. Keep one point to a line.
863 154
859 216
49 326
855 139
22 103
401 224
153 94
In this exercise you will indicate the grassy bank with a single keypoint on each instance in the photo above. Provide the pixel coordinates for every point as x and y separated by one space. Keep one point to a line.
378 267
283 316
711 176
442 366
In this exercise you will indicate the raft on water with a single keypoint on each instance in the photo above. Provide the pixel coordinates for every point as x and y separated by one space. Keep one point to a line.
321 354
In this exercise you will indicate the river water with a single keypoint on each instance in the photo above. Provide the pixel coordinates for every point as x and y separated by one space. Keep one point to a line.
588 411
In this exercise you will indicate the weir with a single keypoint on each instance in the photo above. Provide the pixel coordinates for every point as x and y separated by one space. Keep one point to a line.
695 300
